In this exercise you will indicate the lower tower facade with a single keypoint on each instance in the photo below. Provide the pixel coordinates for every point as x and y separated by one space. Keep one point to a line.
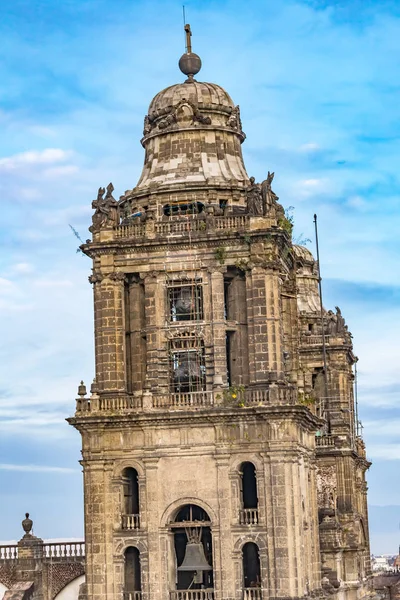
201 472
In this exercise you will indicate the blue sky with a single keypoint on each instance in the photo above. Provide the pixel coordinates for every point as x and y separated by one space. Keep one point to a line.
317 83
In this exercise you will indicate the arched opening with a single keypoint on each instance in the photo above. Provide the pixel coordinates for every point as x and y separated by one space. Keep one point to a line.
130 503
193 548
249 500
251 571
132 576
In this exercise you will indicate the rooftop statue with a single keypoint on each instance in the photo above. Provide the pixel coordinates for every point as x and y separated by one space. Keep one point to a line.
106 210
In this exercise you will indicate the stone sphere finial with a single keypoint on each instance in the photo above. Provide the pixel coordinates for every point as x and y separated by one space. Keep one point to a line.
190 64
27 524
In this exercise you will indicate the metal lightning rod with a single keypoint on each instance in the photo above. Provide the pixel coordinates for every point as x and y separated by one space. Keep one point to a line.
325 410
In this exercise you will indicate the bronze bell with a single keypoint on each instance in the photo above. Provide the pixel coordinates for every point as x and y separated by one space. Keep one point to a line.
195 559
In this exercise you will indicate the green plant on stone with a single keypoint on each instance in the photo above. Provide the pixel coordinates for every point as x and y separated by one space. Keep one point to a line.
306 399
220 254
287 221
234 395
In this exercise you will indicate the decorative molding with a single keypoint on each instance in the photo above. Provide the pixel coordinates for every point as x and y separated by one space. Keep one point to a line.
96 277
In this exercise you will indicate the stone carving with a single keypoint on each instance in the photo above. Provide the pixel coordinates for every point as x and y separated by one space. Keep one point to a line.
336 324
167 121
172 116
117 276
95 277
326 486
269 198
147 125
106 210
234 119
254 199
197 116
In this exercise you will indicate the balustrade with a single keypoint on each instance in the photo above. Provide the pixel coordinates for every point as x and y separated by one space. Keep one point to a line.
130 522
248 516
8 552
256 397
184 225
314 340
252 594
325 441
206 594
130 231
187 400
64 550
132 595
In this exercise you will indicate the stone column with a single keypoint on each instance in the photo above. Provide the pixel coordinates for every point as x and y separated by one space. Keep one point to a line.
156 590
96 279
95 531
110 333
224 576
218 326
152 330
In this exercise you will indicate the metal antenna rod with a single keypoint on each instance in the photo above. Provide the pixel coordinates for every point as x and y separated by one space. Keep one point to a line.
322 321
184 23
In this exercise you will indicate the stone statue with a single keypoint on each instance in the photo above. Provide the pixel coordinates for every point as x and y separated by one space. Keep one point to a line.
147 125
269 198
254 199
331 323
106 210
340 320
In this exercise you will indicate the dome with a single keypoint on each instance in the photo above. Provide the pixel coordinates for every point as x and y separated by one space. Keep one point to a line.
303 254
208 96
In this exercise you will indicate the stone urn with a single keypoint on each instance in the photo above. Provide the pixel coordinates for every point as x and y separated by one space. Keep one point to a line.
27 524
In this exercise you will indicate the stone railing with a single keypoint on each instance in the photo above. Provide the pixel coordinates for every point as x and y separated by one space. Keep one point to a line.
130 231
132 595
189 400
184 225
252 397
325 441
8 552
248 516
64 550
130 522
230 222
105 403
206 594
314 340
252 594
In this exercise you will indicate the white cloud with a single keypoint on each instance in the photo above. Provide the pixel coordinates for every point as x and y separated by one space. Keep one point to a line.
23 268
63 171
357 202
309 147
53 283
384 451
36 468
33 158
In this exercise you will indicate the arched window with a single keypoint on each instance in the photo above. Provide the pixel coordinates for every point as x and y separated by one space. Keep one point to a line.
133 582
130 502
251 572
193 548
248 490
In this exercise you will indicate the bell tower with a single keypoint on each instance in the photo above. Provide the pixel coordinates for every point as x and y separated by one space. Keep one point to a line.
198 454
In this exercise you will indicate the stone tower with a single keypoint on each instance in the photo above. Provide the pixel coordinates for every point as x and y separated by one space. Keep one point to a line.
202 478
